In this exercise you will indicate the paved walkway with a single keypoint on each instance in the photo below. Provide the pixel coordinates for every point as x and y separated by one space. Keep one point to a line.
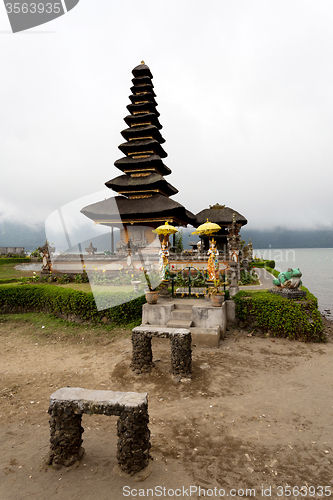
265 278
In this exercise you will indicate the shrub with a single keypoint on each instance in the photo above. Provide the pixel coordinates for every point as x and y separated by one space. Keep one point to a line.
283 317
64 278
14 259
121 307
264 263
248 277
81 278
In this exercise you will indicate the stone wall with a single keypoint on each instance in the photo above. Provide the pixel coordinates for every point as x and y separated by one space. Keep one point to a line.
11 250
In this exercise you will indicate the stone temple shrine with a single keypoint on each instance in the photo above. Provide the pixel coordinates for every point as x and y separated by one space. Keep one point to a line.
225 217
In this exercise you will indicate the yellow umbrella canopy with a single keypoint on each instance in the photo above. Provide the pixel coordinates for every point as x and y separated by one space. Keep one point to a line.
207 228
165 229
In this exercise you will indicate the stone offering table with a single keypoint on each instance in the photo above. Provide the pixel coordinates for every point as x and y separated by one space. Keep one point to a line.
66 408
181 351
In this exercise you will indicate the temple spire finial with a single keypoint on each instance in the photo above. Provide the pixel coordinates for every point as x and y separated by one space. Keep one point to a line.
142 62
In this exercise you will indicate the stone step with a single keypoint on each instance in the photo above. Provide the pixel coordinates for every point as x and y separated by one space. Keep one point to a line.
183 307
206 337
179 323
185 314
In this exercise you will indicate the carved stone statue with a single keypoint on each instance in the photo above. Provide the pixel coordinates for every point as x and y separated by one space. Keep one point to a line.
290 279
233 288
213 261
250 251
46 250
164 262
90 249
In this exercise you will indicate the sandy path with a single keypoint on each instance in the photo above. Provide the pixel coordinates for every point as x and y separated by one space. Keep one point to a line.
257 413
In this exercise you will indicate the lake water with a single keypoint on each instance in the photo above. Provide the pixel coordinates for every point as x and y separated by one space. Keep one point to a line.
316 265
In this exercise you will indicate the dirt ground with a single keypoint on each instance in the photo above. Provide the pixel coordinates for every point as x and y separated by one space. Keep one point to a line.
258 414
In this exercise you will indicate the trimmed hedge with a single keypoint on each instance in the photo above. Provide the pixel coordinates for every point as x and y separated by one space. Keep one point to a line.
264 263
5 281
121 307
14 260
283 317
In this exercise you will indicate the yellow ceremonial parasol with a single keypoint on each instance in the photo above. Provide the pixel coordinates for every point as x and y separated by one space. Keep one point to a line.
207 229
165 229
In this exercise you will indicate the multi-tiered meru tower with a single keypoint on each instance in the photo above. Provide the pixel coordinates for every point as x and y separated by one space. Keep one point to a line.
144 201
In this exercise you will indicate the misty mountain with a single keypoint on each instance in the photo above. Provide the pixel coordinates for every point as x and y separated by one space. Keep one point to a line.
280 237
21 235
31 237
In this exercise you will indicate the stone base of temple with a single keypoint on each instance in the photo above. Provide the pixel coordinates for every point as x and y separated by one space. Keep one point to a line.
206 323
289 293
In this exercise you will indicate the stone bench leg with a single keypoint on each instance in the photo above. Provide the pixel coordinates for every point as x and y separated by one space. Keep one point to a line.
66 432
142 356
181 355
133 439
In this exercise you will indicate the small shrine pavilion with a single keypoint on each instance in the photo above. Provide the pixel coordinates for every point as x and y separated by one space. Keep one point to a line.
143 200
225 217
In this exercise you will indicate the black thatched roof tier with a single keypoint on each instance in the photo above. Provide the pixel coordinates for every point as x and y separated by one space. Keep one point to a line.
221 216
141 98
138 120
149 146
143 87
144 107
135 165
142 70
142 80
143 211
147 131
151 183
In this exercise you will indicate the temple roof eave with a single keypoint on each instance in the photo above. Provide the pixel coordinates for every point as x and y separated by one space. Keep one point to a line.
152 163
143 108
150 182
138 120
148 146
133 133
122 210
221 216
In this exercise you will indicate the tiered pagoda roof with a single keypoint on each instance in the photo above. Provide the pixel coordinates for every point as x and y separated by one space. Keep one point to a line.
144 192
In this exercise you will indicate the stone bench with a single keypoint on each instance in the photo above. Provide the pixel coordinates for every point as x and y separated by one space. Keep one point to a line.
66 408
181 352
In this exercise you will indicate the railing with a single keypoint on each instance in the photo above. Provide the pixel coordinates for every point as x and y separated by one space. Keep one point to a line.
188 279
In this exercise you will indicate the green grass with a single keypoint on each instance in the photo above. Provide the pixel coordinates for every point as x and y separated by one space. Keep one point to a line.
85 287
82 287
8 271
46 325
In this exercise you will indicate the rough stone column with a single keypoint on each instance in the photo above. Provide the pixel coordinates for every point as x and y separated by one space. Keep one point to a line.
181 354
133 439
142 356
233 288
66 432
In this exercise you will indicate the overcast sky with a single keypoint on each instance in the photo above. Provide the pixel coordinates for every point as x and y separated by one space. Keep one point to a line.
244 89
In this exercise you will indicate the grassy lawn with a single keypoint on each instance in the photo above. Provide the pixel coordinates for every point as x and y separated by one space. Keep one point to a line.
44 326
8 271
85 287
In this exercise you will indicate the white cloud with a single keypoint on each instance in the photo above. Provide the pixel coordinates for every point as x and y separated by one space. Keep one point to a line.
244 92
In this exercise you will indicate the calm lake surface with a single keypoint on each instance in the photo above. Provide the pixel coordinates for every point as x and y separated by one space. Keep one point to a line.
316 265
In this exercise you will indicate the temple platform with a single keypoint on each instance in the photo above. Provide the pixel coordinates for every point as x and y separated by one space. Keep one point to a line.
206 323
